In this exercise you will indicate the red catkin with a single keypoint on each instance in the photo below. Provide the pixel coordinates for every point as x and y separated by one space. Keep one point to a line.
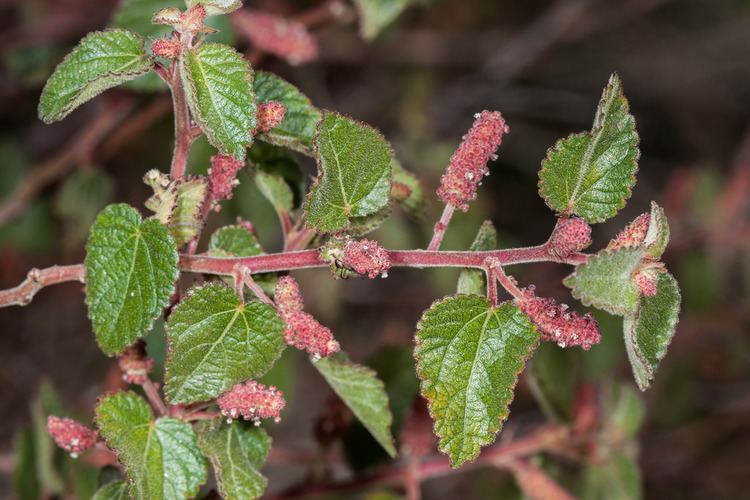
222 176
71 436
252 401
276 35
558 324
287 295
647 279
366 257
468 165
269 116
634 233
570 235
134 364
193 19
166 48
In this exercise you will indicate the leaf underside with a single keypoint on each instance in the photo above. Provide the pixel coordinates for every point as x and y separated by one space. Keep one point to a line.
161 456
649 331
354 174
131 268
216 341
101 60
469 355
591 174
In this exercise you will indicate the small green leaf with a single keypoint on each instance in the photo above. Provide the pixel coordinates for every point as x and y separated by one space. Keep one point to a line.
301 118
116 490
376 15
131 268
217 341
407 190
622 412
657 235
233 241
216 7
363 393
218 82
102 60
590 174
616 477
553 380
236 452
276 190
469 355
606 280
354 173
649 331
25 480
473 281
161 456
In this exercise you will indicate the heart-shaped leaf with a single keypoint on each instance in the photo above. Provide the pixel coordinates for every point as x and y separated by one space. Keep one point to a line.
649 331
236 452
131 268
591 174
102 60
606 280
218 83
363 393
301 118
161 457
469 355
217 341
354 174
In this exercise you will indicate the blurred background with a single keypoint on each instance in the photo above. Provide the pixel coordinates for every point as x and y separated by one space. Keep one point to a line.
685 66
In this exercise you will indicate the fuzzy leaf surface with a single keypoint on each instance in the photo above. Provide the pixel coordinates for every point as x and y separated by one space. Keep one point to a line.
363 392
217 341
657 236
590 174
297 129
216 7
473 281
102 60
606 280
469 355
376 15
236 452
218 83
354 173
233 241
116 490
161 456
649 331
276 190
131 268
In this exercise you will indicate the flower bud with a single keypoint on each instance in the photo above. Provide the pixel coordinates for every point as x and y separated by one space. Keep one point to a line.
134 364
269 116
252 401
222 176
468 165
634 233
166 48
287 296
366 258
570 235
557 324
71 436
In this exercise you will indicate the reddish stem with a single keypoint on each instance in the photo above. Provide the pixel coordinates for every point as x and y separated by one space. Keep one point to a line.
152 393
440 227
183 135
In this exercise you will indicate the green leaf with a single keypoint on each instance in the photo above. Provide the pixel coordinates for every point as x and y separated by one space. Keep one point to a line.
407 190
363 393
217 341
25 480
472 281
276 190
657 236
376 15
233 241
161 456
116 490
301 118
47 454
622 412
354 173
218 83
617 477
131 268
236 452
469 355
102 60
360 226
590 174
553 380
649 331
606 280
216 7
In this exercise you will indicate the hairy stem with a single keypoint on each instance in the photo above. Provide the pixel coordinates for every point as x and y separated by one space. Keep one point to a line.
37 279
152 393
183 135
441 226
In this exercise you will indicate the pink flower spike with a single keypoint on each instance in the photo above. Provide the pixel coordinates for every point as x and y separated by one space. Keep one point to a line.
468 165
71 436
269 116
633 234
287 296
570 235
276 35
252 401
222 176
305 333
366 257
166 48
557 324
